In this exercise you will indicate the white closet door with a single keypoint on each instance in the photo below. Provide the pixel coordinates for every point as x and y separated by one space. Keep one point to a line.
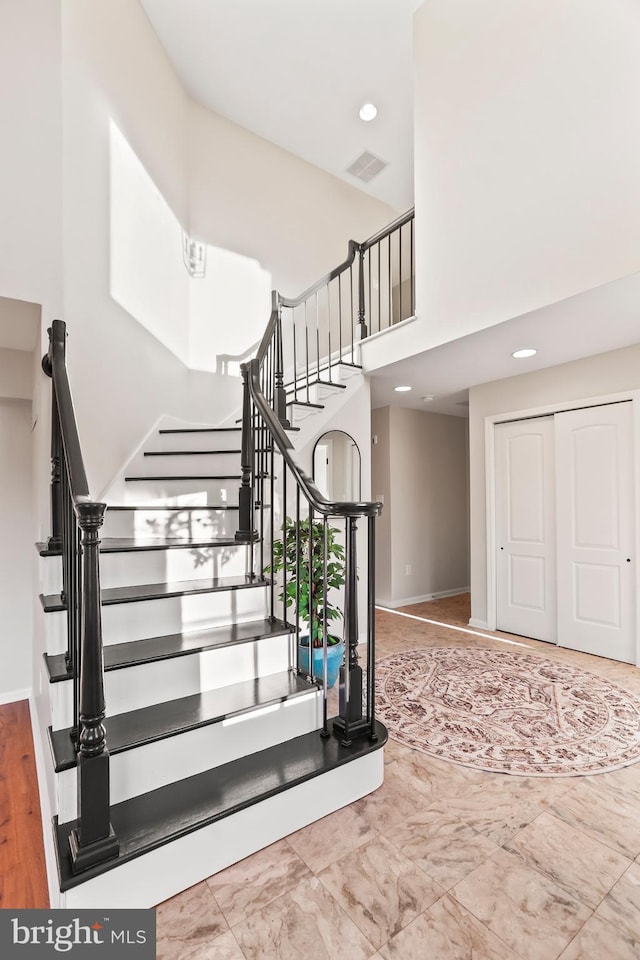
525 528
595 533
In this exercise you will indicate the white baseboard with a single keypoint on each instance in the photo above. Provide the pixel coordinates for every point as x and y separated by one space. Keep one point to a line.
478 624
405 601
12 696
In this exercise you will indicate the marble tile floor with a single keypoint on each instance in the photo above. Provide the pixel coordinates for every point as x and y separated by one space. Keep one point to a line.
442 862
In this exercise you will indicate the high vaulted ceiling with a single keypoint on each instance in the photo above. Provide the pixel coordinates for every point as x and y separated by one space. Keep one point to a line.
296 72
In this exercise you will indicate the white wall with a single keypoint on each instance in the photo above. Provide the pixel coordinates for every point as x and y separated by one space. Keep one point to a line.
16 374
427 491
252 197
290 215
17 553
381 490
30 162
123 378
527 149
602 375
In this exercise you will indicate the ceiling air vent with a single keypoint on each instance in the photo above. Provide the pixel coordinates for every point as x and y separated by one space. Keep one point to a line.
367 166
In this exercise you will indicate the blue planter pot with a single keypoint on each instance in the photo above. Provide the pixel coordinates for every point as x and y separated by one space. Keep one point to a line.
335 653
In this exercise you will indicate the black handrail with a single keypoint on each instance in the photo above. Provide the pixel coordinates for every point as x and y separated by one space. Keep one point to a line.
54 365
311 493
76 520
389 229
354 246
294 352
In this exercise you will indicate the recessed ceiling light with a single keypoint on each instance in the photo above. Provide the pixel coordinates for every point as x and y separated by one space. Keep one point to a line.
524 353
428 399
368 111
402 389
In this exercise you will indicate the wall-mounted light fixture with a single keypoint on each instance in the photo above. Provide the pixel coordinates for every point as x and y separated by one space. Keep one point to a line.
194 255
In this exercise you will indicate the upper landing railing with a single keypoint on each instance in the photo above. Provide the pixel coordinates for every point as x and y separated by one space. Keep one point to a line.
372 290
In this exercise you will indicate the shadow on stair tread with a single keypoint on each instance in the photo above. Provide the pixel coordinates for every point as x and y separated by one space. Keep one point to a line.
139 544
153 819
126 731
151 649
159 591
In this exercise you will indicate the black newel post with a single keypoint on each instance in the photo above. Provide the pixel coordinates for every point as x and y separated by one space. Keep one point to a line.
350 722
245 532
279 392
94 840
361 314
54 543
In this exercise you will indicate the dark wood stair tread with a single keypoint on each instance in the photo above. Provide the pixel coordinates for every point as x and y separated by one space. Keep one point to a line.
159 591
125 731
132 544
301 385
151 649
149 821
209 476
143 544
172 508
202 430
305 403
187 453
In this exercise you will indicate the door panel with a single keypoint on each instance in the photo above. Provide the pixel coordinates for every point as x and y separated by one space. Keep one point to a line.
525 528
595 534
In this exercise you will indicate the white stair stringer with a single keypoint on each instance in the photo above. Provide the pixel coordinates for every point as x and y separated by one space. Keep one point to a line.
149 879
145 768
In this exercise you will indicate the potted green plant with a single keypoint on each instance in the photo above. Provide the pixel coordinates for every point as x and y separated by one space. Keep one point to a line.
307 580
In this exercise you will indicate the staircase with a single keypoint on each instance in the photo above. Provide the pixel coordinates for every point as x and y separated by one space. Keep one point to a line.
184 734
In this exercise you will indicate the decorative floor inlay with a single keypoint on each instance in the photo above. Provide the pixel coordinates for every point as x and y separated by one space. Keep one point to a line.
507 712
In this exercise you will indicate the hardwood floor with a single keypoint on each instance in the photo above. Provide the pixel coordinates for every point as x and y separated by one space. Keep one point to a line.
455 610
23 881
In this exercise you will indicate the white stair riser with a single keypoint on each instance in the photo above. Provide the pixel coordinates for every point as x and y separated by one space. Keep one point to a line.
158 566
148 880
318 392
154 765
227 440
155 566
184 491
50 571
185 465
133 688
158 524
122 622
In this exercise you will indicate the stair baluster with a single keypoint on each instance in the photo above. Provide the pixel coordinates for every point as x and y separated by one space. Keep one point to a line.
246 532
94 840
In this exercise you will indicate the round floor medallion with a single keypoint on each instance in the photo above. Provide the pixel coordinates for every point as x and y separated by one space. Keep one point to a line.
507 712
